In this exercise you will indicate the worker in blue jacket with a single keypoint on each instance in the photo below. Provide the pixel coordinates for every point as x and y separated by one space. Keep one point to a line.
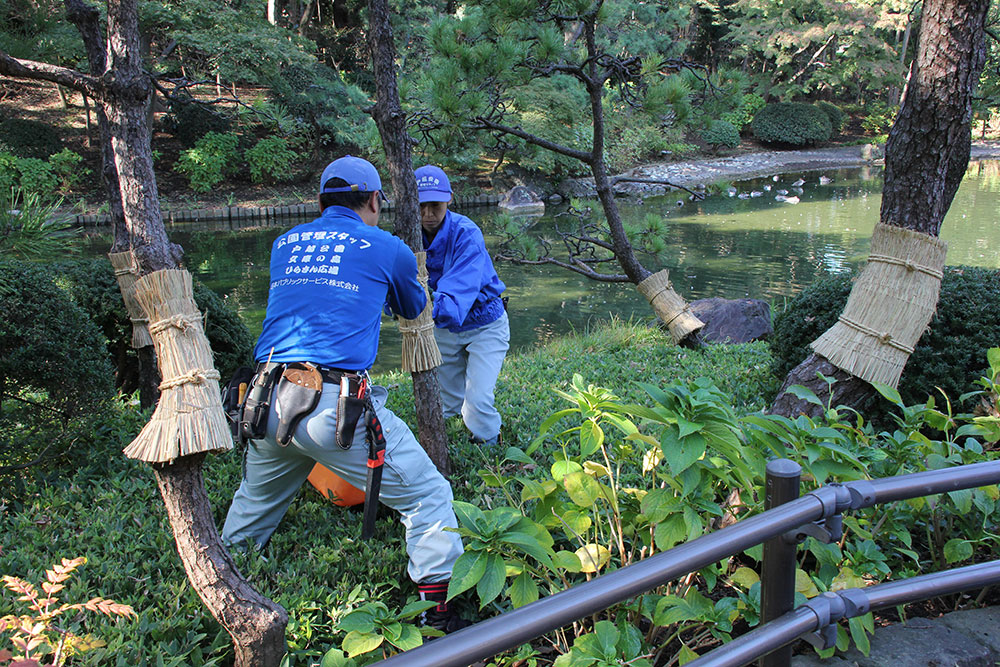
472 330
330 279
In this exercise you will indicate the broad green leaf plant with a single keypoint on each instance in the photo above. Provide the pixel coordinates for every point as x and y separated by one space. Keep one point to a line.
608 483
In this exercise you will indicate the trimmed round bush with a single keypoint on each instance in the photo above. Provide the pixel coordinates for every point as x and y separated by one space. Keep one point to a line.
791 123
951 354
48 343
833 112
721 134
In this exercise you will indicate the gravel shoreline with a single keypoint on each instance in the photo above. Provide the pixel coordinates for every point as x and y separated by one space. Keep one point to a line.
698 173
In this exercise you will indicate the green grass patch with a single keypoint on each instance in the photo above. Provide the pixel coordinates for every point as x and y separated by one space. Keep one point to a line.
108 508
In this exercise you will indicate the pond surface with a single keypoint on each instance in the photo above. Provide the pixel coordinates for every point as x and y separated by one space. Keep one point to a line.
724 246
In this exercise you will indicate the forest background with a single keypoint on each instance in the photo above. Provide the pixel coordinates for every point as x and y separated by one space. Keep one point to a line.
254 99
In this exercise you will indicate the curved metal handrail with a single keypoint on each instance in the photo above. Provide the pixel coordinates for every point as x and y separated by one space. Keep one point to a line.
820 612
513 628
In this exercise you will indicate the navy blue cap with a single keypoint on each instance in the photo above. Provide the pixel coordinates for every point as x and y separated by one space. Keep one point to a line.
432 184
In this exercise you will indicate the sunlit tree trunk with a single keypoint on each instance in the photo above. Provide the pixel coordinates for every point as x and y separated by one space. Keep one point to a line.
391 122
927 154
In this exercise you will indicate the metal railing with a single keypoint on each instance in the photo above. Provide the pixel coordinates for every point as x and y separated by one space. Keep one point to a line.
780 525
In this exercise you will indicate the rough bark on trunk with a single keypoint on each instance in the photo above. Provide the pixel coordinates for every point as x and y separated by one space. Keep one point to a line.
391 122
87 21
926 156
122 90
256 624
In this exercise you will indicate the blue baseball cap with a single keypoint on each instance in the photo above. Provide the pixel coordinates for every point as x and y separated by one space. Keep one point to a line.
360 175
432 184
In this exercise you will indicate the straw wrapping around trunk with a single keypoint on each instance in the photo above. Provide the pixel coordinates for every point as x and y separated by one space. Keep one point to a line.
890 306
669 306
189 417
127 273
420 350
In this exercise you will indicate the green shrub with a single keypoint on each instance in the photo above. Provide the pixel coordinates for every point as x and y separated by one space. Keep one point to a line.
952 352
189 121
29 138
271 159
53 364
36 176
66 167
741 117
833 112
632 139
879 118
792 123
47 341
9 175
93 287
721 134
213 157
31 227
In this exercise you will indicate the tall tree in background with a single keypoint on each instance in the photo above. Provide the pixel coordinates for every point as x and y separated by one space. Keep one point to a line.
396 141
806 47
927 154
500 46
123 90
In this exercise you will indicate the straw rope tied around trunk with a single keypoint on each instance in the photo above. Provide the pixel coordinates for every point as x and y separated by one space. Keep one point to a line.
189 417
127 273
889 308
420 350
669 306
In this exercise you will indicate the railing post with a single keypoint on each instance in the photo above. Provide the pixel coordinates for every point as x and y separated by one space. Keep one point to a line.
777 579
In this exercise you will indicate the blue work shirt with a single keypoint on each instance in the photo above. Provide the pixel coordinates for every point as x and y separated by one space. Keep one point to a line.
329 281
460 273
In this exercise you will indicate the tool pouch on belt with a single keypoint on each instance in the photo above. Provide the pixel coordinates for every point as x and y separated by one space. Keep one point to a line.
233 396
349 411
253 414
298 393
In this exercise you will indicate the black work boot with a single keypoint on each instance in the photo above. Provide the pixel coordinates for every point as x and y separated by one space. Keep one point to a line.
440 617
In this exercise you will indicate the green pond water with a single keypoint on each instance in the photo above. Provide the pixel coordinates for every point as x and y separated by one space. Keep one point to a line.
724 246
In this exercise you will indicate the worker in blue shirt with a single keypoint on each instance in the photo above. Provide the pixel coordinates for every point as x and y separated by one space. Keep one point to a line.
472 329
330 279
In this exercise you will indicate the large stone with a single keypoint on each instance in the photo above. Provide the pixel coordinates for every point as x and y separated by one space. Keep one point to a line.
921 642
521 200
983 625
813 660
733 320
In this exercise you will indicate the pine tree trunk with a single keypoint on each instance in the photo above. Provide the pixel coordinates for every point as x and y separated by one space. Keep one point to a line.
256 624
926 156
87 21
123 91
391 122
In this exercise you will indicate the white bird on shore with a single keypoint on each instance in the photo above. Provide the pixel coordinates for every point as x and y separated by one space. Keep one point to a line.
782 192
774 178
767 188
744 195
756 193
731 192
788 200
823 180
798 184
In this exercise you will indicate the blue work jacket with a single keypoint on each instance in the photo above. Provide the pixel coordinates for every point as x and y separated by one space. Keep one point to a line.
329 281
461 276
